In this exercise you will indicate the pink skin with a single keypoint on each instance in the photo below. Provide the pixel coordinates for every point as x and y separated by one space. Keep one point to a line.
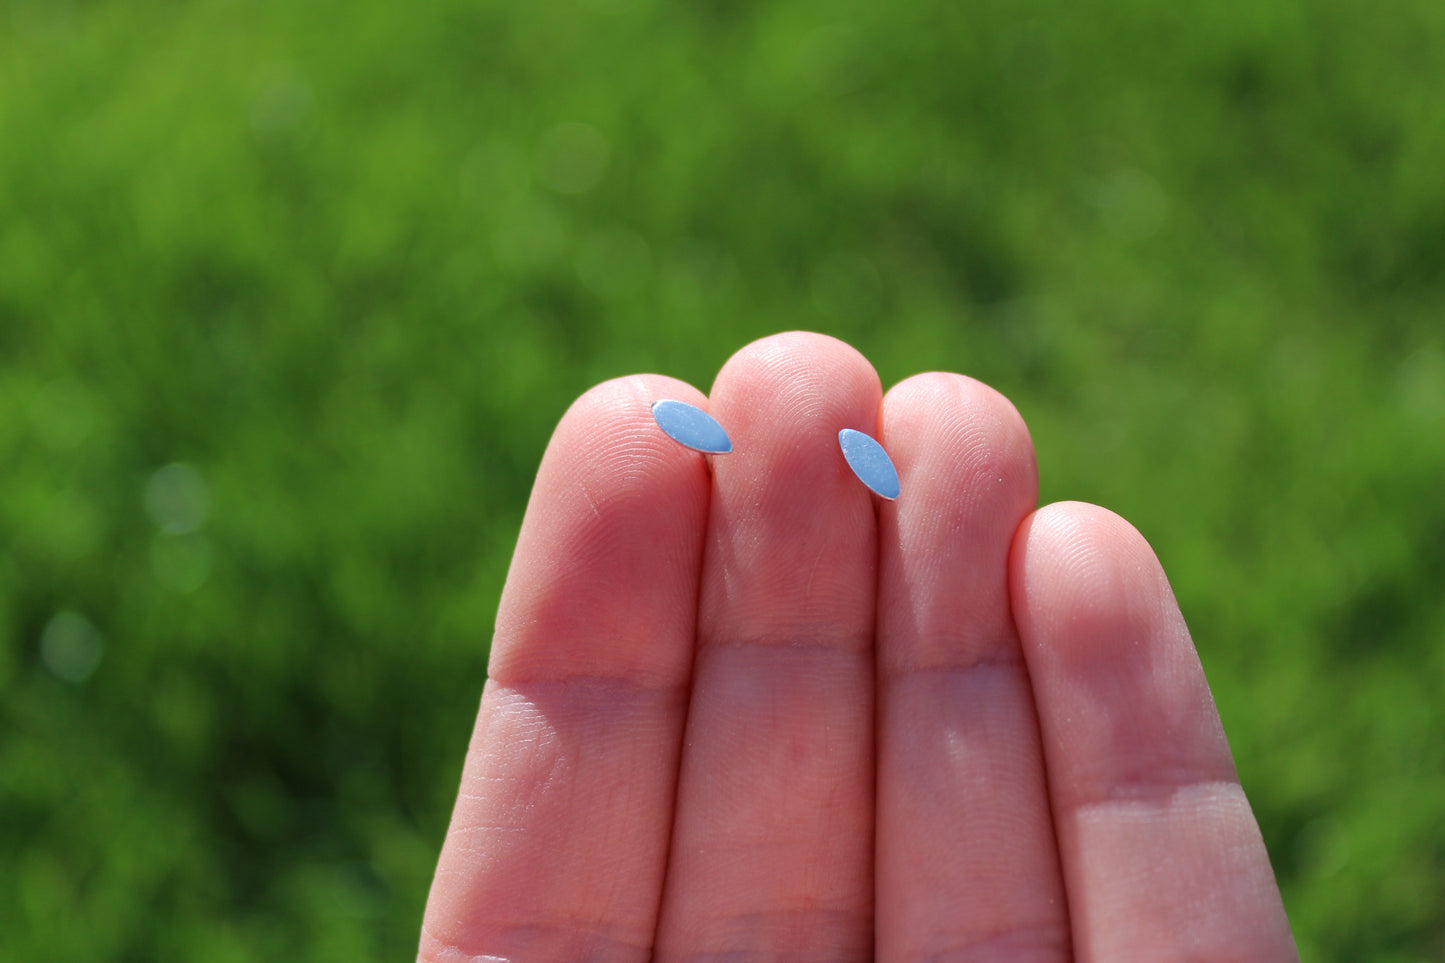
739 708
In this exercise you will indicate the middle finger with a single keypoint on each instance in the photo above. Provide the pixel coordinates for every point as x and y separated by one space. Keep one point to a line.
772 839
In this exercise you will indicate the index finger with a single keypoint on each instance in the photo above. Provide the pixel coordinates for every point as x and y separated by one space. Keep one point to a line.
558 843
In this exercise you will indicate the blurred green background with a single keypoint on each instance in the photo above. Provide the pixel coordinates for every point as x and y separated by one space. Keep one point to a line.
291 295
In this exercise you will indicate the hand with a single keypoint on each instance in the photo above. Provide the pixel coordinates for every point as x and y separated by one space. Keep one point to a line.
739 708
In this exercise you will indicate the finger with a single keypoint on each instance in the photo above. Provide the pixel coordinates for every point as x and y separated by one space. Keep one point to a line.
967 865
558 843
773 842
1162 857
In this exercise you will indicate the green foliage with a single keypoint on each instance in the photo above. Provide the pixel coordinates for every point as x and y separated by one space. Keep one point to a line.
291 295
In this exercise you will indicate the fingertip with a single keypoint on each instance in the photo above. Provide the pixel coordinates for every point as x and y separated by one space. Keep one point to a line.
966 427
1076 567
609 436
612 539
968 475
1073 528
802 371
790 346
923 392
785 501
783 400
625 404
1120 689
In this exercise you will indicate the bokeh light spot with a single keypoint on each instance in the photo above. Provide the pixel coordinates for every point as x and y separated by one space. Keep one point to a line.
177 498
571 158
1420 386
70 647
1132 202
283 103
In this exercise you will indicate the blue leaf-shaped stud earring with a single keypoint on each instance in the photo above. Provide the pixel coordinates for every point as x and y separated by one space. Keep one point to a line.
691 426
869 462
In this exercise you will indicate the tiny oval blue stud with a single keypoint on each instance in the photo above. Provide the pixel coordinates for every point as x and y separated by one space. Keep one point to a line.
869 462
691 426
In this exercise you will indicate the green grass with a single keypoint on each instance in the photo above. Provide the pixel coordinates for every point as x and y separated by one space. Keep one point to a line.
349 262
